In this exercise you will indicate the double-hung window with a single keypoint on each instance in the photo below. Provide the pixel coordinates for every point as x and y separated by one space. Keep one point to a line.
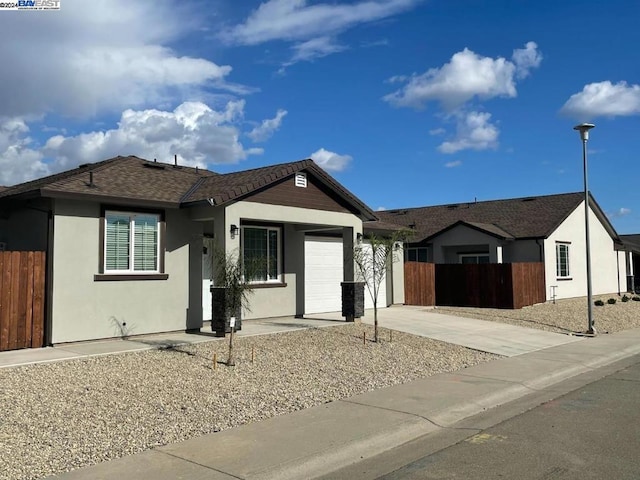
562 260
261 254
131 242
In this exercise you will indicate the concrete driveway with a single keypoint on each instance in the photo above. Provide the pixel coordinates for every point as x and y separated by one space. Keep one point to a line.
493 337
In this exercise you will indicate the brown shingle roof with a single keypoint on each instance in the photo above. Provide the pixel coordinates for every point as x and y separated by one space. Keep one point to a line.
136 180
631 242
119 178
234 186
530 217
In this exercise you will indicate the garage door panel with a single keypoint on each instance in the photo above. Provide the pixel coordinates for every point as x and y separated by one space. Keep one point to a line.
323 274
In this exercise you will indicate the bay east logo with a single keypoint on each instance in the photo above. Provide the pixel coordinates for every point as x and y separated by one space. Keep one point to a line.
30 5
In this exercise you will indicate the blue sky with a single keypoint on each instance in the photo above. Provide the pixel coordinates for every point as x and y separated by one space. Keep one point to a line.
406 102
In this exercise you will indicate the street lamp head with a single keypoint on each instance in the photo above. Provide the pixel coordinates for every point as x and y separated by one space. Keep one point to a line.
584 128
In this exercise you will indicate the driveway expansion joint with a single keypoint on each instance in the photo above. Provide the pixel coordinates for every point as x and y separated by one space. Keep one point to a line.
198 464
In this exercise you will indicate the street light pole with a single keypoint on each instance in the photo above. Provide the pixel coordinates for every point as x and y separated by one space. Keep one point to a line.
584 128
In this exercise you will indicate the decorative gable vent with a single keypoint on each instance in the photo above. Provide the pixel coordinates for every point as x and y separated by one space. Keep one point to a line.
301 180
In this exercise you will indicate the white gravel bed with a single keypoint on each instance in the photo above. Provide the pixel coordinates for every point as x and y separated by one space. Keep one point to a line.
565 316
61 416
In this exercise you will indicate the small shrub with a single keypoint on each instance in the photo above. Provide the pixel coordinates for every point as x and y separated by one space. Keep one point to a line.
635 298
598 303
611 301
625 298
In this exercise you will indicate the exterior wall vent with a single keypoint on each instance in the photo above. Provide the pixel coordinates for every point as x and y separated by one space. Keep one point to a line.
301 180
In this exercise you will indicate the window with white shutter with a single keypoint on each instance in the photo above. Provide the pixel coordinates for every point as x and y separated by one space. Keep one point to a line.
132 242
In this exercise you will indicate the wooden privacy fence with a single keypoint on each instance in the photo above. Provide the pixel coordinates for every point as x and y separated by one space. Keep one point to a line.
419 283
504 285
22 279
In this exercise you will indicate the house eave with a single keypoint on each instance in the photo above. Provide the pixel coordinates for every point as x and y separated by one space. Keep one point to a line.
113 200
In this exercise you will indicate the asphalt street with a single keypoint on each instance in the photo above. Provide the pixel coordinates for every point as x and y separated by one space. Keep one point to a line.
592 432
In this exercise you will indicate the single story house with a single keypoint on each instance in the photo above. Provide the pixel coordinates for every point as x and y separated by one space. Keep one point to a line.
129 242
548 229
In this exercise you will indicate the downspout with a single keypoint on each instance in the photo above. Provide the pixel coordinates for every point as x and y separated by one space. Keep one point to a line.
618 268
48 282
48 278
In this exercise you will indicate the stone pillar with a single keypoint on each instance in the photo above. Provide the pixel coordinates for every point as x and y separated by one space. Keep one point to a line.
352 300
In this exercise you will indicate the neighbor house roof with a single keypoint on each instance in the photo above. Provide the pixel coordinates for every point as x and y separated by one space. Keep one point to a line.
631 242
528 217
140 181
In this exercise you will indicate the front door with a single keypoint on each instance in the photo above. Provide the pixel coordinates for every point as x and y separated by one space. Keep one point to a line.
207 271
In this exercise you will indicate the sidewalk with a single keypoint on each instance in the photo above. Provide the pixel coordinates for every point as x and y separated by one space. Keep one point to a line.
323 439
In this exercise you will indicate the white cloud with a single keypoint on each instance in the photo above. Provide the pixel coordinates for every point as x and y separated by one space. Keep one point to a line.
466 76
198 134
437 131
105 55
622 212
297 20
267 128
604 99
526 58
380 209
19 162
314 48
455 163
331 161
473 131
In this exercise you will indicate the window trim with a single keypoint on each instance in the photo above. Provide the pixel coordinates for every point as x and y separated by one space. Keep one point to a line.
106 275
568 254
280 280
477 255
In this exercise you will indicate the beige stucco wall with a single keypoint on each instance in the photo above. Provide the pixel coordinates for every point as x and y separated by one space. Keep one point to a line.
289 300
87 309
462 239
276 301
604 266
522 251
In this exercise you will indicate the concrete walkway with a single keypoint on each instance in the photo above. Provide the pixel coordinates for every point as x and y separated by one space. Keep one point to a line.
317 441
493 337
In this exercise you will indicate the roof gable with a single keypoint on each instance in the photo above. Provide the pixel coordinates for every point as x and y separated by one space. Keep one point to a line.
232 187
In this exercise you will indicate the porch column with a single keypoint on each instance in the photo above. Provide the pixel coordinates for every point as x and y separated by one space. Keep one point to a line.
499 254
347 254
348 276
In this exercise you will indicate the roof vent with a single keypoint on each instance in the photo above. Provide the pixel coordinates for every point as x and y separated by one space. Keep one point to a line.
452 207
301 180
529 199
412 225
156 166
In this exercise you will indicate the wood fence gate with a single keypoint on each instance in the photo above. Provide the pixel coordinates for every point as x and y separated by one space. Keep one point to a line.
22 293
504 285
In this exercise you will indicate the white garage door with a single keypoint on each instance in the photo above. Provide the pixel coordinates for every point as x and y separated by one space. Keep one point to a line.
323 275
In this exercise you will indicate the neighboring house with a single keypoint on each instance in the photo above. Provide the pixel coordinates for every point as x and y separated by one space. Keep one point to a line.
129 242
631 245
548 229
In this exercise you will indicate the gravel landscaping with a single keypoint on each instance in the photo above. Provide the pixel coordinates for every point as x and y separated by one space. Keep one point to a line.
565 316
60 416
